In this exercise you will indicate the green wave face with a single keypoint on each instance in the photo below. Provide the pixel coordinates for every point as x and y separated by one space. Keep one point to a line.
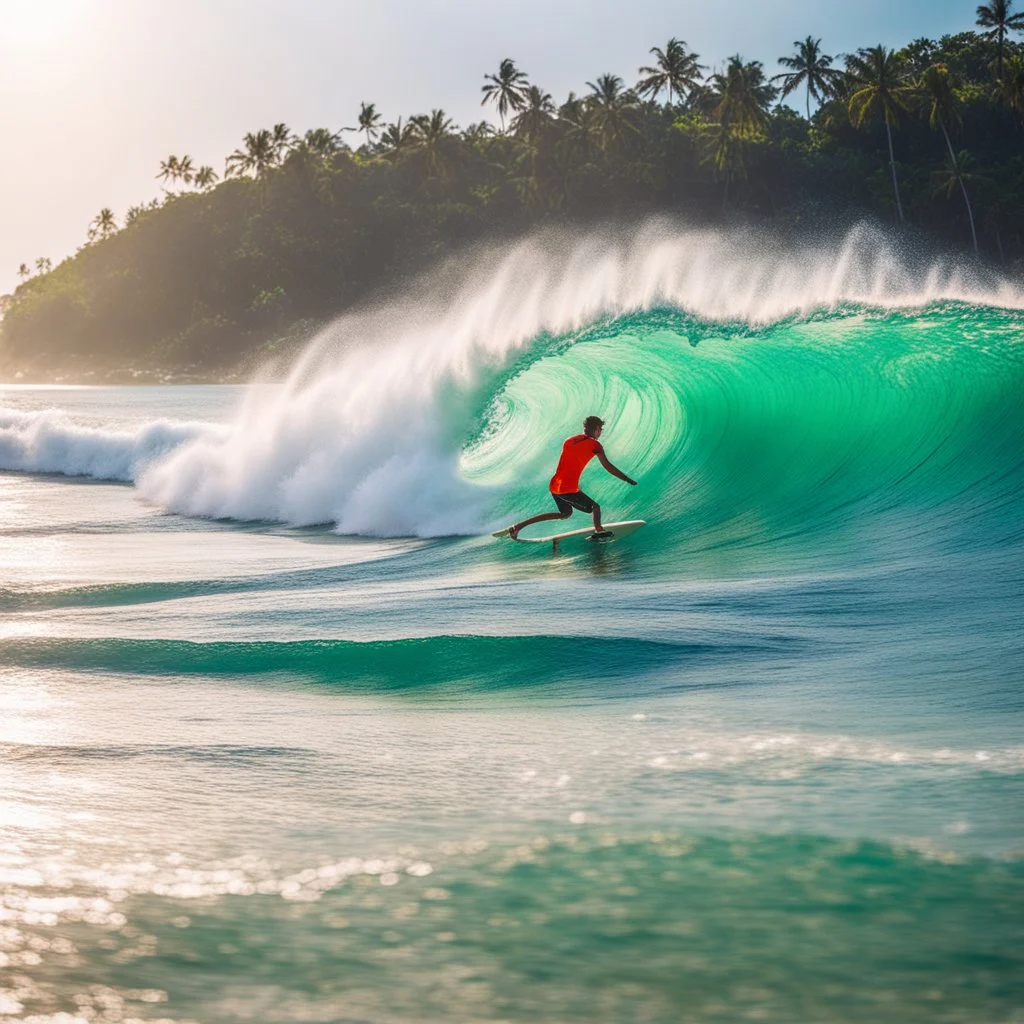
839 429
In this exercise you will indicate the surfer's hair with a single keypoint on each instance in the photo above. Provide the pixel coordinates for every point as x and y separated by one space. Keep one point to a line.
591 423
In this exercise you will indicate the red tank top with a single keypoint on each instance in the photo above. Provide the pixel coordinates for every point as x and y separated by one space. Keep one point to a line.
576 453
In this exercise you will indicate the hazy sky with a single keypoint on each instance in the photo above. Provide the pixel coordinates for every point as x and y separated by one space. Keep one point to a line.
94 93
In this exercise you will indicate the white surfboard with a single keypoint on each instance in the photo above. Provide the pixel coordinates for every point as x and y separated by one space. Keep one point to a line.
617 531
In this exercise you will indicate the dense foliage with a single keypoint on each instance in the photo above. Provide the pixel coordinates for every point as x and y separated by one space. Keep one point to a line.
219 272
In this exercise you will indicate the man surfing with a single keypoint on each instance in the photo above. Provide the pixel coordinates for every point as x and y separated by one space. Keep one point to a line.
577 451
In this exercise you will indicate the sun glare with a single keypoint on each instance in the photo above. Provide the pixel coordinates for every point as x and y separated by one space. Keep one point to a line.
34 22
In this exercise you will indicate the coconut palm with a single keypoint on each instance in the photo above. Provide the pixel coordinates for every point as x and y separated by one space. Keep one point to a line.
104 224
480 133
186 169
369 122
958 171
396 138
583 129
737 100
282 140
676 71
880 88
506 90
170 170
537 113
314 154
741 96
944 114
725 148
258 154
613 107
43 265
24 272
1009 87
205 177
810 67
996 17
431 135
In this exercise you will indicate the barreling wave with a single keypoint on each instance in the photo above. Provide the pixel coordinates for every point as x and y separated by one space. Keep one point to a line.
758 390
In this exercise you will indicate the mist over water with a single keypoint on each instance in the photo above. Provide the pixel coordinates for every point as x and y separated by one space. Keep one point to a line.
761 760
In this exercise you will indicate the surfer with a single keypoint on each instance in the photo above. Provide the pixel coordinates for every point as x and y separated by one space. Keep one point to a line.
577 451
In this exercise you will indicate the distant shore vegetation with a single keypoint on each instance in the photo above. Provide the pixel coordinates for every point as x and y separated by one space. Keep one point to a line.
228 267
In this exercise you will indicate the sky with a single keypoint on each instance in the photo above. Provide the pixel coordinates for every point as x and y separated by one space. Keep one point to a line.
95 93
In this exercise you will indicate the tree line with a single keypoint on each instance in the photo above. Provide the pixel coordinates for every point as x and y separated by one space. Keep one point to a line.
301 226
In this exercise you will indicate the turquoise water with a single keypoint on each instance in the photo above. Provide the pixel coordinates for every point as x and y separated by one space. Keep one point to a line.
276 746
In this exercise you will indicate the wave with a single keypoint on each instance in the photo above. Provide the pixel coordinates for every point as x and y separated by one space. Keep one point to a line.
48 441
453 662
756 387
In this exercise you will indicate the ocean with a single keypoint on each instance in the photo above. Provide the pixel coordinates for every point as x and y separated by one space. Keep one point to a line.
285 735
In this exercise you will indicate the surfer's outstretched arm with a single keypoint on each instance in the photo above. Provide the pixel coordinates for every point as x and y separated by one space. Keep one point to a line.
603 459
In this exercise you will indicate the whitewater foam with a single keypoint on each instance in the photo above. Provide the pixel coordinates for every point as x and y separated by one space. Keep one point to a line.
366 432
49 441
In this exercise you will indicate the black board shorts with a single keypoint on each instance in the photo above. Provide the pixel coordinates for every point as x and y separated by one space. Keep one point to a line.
577 499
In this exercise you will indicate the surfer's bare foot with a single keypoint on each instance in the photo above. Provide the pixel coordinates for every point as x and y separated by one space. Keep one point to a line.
601 535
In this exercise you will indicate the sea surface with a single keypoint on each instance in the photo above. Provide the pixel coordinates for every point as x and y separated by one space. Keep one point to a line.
286 736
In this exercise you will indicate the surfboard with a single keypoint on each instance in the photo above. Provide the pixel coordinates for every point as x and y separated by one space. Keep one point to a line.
617 531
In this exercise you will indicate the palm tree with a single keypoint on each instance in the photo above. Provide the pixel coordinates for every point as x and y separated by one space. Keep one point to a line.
431 135
811 67
205 177
613 106
1009 87
43 265
24 272
742 96
282 140
957 172
581 117
724 147
369 122
396 138
676 71
880 87
537 113
313 156
186 169
996 17
506 90
480 134
258 154
170 170
739 99
103 225
944 113
322 142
